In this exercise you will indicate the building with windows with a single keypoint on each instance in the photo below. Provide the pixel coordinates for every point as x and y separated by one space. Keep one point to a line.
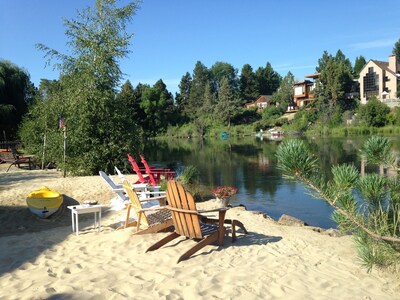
261 102
303 92
379 79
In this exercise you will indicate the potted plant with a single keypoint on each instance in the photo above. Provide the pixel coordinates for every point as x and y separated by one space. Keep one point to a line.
223 194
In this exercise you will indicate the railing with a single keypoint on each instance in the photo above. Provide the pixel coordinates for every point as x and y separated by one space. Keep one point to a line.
8 145
391 102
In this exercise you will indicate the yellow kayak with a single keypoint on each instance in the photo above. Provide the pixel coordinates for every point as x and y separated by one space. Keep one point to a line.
44 202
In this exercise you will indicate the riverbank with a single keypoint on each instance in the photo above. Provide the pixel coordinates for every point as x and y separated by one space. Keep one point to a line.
43 259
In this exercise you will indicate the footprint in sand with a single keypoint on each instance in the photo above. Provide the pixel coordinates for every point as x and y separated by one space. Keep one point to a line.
51 273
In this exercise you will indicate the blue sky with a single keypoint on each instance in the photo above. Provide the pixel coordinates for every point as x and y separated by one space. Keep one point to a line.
172 35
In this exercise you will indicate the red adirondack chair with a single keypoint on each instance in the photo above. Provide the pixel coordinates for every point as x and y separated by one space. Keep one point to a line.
138 171
157 172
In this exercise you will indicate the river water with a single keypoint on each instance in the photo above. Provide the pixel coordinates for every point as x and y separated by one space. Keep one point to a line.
250 165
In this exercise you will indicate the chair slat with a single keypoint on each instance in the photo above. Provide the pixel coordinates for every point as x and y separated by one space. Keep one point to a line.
187 221
135 202
174 202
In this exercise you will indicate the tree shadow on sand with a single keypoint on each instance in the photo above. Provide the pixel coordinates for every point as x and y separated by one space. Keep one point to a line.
19 252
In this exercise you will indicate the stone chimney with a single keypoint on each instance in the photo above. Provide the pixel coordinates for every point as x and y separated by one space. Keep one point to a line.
393 65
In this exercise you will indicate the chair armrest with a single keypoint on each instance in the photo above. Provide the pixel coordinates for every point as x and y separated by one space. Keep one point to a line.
151 209
161 200
182 210
153 198
162 193
213 210
140 185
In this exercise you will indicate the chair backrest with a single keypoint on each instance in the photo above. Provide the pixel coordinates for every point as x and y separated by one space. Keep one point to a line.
144 162
148 171
120 175
184 213
117 189
107 179
15 153
135 202
136 169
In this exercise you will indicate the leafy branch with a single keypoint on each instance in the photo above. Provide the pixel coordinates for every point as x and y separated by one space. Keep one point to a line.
368 206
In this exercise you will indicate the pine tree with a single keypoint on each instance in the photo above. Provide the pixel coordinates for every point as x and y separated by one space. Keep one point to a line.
358 65
368 207
267 80
182 98
284 95
226 105
396 50
248 85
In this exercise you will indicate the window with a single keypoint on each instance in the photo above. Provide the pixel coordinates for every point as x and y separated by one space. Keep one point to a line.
371 83
299 90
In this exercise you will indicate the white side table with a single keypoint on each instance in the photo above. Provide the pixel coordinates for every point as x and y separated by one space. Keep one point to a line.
77 210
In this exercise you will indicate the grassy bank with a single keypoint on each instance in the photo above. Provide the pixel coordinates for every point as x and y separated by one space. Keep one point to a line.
352 131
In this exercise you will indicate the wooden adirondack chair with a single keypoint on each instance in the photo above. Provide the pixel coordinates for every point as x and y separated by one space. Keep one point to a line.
157 172
19 159
189 222
159 220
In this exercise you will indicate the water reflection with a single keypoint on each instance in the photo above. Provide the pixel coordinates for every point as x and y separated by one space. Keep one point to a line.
250 165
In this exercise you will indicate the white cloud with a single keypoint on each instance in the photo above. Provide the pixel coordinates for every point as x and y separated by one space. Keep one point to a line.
381 43
290 67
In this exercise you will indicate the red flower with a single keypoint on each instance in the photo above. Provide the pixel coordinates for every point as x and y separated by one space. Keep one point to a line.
224 191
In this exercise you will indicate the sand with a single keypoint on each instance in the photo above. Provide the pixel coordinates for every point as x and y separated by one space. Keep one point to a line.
43 259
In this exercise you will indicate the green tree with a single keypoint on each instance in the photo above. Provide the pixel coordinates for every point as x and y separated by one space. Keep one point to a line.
16 92
267 79
157 104
374 113
284 95
396 50
226 105
248 85
358 65
220 70
100 128
201 75
182 98
340 57
138 91
127 95
166 104
209 103
334 82
323 61
205 113
368 206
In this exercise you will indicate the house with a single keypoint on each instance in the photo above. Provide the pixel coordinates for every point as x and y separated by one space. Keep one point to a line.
261 102
303 92
379 79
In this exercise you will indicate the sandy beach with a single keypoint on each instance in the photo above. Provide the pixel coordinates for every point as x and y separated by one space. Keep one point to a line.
43 259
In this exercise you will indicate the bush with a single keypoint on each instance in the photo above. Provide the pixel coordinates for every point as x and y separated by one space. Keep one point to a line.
189 175
374 113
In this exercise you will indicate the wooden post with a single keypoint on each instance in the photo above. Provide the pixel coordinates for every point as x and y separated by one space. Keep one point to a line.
363 162
65 147
44 149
